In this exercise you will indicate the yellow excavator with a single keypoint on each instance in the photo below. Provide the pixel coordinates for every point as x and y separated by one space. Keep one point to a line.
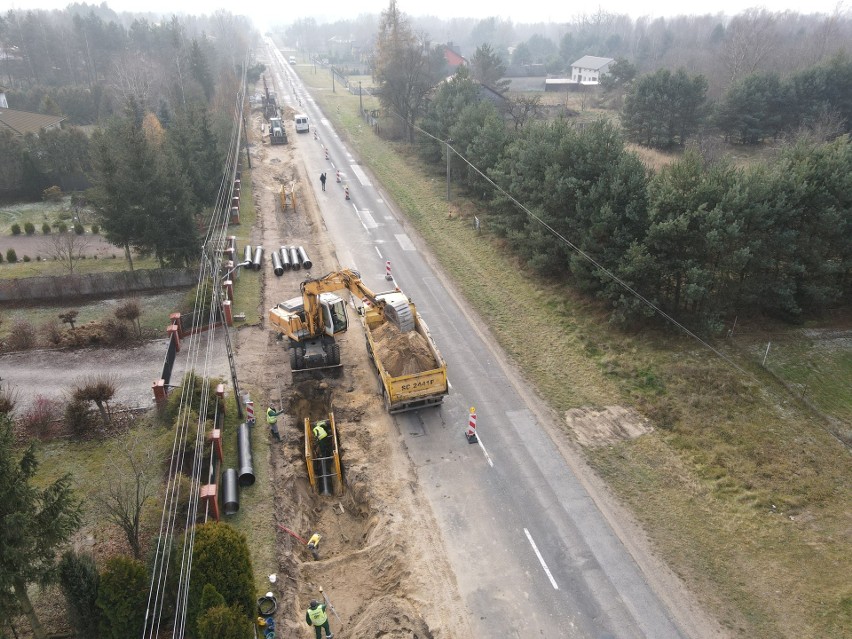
311 321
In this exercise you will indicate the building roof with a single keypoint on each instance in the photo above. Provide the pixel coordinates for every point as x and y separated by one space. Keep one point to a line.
592 62
453 59
21 122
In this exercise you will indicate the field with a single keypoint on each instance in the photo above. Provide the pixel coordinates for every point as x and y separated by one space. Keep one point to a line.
743 487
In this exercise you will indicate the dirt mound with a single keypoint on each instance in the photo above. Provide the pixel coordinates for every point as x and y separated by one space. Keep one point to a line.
402 353
389 617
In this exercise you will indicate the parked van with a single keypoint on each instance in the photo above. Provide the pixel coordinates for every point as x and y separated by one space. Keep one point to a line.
302 125
292 59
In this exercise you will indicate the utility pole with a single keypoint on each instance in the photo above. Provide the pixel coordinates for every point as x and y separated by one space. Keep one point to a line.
448 168
360 99
332 77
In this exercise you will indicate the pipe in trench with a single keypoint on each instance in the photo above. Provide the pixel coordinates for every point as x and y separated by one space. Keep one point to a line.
325 488
306 263
230 492
285 258
295 262
277 267
244 455
258 258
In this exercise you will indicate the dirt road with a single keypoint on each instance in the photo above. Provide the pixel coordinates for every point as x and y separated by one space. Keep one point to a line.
382 560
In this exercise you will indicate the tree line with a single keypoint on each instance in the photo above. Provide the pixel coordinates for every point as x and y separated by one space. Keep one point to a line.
700 238
663 109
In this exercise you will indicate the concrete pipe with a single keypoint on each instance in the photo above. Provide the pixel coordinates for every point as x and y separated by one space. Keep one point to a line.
244 455
306 263
285 258
247 253
230 492
277 268
258 258
295 260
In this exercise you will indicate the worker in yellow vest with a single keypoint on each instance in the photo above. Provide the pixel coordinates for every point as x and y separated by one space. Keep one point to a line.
317 617
321 436
272 421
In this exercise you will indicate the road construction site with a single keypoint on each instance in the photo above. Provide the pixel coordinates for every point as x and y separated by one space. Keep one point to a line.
380 549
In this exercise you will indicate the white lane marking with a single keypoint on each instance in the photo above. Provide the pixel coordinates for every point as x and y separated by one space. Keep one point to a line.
485 452
405 242
359 218
379 252
368 219
359 173
541 559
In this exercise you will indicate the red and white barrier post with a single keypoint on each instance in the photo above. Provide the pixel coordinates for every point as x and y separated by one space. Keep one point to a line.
388 275
338 176
249 411
471 427
346 191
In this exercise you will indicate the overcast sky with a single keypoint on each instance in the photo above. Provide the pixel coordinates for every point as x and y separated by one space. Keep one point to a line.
517 11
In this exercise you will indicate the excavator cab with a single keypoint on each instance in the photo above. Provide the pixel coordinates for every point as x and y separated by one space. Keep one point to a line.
334 317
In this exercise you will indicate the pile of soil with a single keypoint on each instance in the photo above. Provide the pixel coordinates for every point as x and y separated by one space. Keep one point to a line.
402 353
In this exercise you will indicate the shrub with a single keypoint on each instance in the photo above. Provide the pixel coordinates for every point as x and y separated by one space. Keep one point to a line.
22 337
122 598
1 258
196 384
78 229
29 228
79 417
116 332
95 229
26 258
16 229
224 622
11 256
52 332
8 400
220 558
62 227
37 419
45 228
52 194
78 579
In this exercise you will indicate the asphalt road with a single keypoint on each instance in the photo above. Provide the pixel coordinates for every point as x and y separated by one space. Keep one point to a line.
532 553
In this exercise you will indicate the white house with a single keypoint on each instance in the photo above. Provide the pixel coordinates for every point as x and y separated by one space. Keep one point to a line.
589 69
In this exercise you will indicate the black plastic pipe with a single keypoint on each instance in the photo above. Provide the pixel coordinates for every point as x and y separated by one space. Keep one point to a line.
285 258
295 262
244 455
230 492
306 263
258 258
277 268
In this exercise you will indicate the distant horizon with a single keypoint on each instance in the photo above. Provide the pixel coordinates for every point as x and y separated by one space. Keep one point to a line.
531 12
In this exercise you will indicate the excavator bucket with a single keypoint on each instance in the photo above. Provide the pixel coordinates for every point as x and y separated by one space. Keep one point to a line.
398 311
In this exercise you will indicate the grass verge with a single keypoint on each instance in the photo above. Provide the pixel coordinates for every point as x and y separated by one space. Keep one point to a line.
741 487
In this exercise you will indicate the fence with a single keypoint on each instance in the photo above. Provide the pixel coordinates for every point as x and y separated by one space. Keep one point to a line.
60 287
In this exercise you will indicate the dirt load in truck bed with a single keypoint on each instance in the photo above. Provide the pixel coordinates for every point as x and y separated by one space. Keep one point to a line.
402 353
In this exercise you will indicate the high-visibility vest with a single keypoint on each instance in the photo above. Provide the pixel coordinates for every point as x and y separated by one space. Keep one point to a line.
320 432
317 615
271 416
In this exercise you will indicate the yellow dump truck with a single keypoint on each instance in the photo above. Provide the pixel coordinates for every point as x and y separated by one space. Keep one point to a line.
411 369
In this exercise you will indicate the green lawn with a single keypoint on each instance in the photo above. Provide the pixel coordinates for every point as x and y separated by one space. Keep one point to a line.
741 487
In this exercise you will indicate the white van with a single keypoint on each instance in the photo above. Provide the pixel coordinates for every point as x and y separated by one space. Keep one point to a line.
302 125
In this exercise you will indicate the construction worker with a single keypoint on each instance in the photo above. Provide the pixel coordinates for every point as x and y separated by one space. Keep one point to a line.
313 545
272 419
316 617
320 431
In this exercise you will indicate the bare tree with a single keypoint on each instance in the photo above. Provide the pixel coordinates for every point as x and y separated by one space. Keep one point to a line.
68 248
522 109
132 78
130 311
99 389
750 40
132 479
